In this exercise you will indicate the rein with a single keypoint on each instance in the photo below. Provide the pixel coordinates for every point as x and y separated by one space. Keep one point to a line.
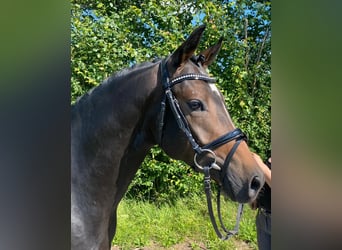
236 135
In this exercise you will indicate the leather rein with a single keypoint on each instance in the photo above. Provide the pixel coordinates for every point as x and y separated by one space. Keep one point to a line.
236 135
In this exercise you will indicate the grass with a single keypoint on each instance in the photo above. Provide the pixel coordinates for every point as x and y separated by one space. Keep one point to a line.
143 224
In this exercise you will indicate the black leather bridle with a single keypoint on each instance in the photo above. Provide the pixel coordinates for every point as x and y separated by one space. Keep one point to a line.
236 135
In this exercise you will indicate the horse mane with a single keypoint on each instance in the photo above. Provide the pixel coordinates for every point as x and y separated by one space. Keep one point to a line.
136 66
116 75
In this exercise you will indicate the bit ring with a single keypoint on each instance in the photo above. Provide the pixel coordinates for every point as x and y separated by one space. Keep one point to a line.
212 165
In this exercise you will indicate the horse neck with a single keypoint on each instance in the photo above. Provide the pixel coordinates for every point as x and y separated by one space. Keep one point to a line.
111 127
145 98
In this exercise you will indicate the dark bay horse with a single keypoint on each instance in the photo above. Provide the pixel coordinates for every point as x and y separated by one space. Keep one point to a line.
171 102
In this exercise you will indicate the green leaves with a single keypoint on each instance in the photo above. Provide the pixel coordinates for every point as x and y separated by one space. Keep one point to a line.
163 180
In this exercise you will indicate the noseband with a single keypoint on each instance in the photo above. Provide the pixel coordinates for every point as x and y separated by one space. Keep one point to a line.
236 135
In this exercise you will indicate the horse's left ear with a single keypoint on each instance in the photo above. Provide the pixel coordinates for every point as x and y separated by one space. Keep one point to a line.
208 56
187 49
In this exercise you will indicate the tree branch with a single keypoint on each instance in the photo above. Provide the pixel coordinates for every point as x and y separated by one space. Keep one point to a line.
259 55
247 48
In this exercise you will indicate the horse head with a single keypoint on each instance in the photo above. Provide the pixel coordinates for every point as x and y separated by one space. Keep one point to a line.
197 127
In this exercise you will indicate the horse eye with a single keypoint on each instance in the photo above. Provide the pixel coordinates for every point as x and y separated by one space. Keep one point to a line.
195 105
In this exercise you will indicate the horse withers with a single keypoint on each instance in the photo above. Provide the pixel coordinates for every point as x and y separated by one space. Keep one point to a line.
171 102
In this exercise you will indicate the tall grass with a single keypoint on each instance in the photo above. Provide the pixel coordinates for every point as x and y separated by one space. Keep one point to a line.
142 224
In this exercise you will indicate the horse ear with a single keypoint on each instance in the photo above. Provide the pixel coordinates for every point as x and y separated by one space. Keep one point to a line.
208 56
187 49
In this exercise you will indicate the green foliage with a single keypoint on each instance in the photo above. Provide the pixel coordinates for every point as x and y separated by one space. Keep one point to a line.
109 36
163 180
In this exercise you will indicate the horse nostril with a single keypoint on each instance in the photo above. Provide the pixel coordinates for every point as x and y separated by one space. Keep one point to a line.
255 183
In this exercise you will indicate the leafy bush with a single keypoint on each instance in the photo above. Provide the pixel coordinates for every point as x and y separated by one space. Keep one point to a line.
162 179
